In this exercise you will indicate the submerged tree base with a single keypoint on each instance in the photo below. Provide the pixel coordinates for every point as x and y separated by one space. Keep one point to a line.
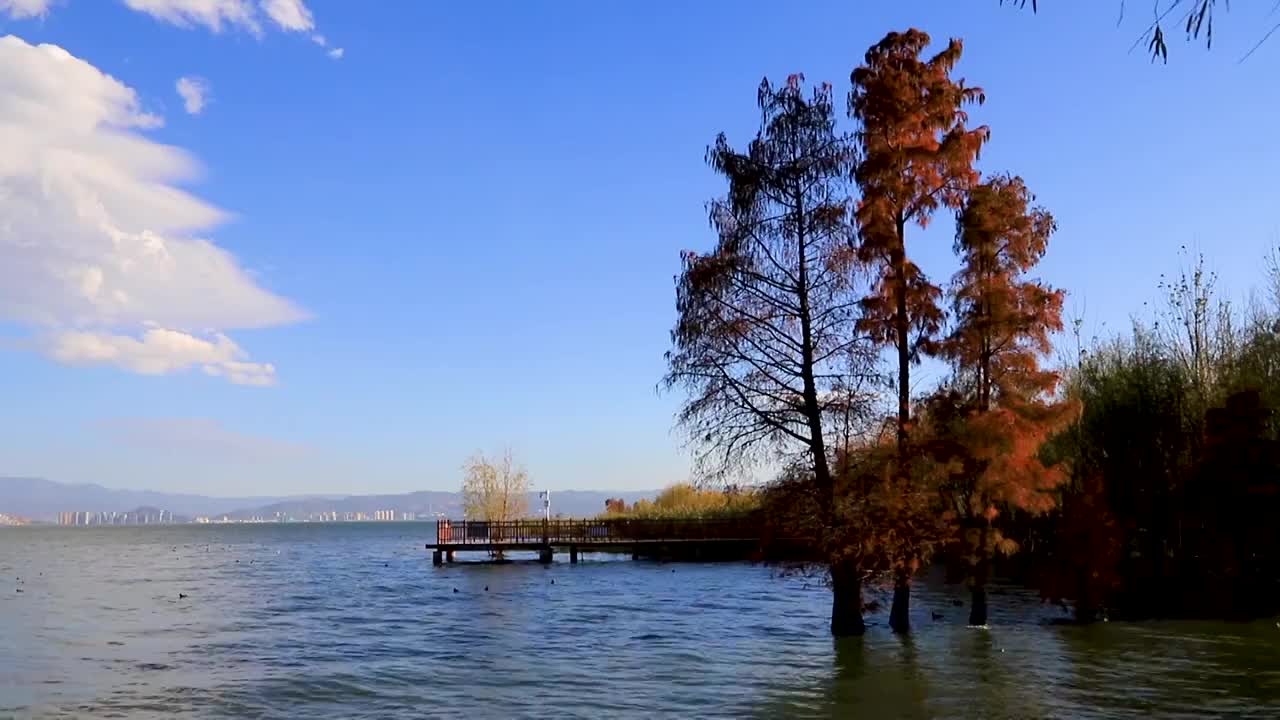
846 602
900 613
978 607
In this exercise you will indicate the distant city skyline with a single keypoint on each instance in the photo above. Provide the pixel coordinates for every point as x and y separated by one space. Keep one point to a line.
335 250
156 516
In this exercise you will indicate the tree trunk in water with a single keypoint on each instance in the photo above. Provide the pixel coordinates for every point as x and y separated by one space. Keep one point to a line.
900 613
1085 611
978 605
846 601
981 572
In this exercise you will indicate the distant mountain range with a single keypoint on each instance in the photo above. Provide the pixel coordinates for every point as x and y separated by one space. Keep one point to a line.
41 499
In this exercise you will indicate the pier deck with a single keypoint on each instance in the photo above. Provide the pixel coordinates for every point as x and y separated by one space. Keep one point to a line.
736 538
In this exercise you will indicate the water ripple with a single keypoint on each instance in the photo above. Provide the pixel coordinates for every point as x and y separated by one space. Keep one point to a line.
353 621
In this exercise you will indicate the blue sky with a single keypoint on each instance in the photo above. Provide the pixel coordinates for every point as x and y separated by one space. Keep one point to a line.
462 233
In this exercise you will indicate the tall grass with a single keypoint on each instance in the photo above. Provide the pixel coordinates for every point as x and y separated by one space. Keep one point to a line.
683 500
1174 461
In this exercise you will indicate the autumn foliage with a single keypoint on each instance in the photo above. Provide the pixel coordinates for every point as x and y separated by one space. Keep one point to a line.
916 155
1141 466
765 343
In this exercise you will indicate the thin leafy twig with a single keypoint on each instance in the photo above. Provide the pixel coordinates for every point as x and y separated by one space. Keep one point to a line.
1259 44
1155 32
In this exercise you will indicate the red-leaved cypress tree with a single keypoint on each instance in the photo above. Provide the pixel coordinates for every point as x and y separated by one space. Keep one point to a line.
916 155
1003 406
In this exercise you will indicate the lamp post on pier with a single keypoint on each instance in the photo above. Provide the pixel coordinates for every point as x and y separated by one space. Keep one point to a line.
545 554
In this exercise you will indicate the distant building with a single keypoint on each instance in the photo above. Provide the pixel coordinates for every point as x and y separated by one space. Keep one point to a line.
141 516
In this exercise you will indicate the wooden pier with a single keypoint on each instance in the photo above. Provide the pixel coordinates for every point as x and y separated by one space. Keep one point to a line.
693 539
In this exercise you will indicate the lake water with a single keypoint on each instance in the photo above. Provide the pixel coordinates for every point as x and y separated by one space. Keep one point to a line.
352 621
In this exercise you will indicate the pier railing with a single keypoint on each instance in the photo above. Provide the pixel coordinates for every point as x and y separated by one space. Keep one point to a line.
587 532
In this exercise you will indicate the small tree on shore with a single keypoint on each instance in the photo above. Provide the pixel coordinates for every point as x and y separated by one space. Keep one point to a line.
495 490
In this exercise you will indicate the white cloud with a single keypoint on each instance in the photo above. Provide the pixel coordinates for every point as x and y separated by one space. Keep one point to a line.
290 15
21 9
287 15
216 15
243 373
194 92
159 352
322 41
100 254
213 14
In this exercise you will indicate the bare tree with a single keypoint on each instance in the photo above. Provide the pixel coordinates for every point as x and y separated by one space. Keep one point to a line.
1198 330
495 490
765 342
